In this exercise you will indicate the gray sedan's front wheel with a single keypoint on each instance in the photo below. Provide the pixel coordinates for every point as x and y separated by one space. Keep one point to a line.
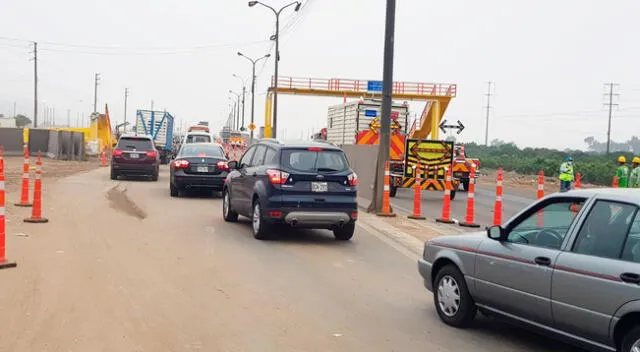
452 298
631 341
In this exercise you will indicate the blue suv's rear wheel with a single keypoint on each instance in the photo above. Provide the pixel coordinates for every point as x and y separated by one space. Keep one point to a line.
259 226
344 233
227 213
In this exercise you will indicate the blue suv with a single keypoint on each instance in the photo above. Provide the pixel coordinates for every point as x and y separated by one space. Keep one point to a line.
301 184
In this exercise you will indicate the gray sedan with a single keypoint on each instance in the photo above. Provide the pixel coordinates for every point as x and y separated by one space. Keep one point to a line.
567 266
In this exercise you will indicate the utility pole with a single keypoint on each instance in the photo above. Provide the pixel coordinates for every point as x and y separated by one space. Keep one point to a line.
385 120
35 84
95 92
68 117
152 105
126 95
488 108
253 87
14 109
610 103
244 92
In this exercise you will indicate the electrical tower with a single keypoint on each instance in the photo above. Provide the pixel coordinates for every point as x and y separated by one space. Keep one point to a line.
488 108
609 94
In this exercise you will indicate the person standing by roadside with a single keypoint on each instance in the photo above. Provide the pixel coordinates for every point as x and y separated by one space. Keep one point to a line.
566 174
622 172
634 176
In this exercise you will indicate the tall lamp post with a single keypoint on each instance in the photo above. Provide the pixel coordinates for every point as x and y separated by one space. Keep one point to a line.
276 37
253 87
237 127
244 92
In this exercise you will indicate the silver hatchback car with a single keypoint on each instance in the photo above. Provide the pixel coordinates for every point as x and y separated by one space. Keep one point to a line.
568 266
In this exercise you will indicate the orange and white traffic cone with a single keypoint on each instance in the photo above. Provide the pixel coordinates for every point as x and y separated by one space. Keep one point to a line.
540 213
386 199
470 216
417 198
103 157
578 184
497 209
36 214
446 205
24 194
616 182
1 156
4 262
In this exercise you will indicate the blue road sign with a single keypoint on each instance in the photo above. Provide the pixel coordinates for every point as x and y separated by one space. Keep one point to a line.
370 113
374 86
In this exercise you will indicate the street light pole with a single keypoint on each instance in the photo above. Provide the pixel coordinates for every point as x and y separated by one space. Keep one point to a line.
244 92
274 128
237 127
253 88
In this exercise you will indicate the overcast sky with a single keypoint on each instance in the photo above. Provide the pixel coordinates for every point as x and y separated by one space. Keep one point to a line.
549 59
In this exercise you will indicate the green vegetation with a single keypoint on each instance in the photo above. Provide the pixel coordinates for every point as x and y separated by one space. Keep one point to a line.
595 168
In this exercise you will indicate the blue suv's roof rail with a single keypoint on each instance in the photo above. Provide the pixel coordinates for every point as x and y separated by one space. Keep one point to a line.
269 140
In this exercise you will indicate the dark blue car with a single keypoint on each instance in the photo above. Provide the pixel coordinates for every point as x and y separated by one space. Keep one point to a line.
301 184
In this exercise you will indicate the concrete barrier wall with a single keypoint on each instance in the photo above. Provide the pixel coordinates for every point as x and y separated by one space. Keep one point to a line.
63 145
38 141
11 140
362 159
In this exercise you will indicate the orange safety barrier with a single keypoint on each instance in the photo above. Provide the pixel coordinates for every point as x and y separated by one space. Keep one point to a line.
36 214
497 209
24 195
446 205
103 158
540 213
578 184
386 201
4 262
616 182
417 198
470 216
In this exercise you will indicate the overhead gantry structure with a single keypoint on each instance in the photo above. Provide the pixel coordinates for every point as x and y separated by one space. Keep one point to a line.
436 95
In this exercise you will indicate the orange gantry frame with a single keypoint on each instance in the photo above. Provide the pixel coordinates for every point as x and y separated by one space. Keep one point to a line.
437 96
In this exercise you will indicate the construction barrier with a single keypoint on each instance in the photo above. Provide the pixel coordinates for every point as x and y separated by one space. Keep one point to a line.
497 209
470 216
4 262
417 198
36 214
446 205
24 194
386 202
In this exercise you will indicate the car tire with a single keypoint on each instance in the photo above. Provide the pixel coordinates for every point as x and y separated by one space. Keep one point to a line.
453 195
173 190
631 340
392 191
259 226
452 298
154 177
465 184
344 233
114 175
227 212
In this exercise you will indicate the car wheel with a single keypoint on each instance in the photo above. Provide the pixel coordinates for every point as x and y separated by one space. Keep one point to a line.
259 226
344 233
631 341
227 213
154 177
453 195
114 175
392 191
173 190
465 184
452 298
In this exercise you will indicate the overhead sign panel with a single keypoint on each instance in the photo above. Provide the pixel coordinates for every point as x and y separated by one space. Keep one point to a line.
374 86
370 113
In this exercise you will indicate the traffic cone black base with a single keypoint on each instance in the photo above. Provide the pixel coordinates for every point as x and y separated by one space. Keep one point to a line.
23 205
7 265
36 221
445 221
389 215
468 224
416 217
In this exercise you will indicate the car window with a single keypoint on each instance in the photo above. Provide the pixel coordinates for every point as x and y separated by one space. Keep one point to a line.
270 156
258 157
547 226
202 151
631 250
608 232
198 139
135 144
246 158
325 161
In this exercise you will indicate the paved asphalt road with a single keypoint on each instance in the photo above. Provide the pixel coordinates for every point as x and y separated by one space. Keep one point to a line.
513 202
182 279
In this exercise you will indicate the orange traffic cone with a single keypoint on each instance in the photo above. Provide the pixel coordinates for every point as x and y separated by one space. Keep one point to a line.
497 209
540 213
469 220
24 195
4 263
103 158
446 205
417 198
1 157
36 214
616 182
578 181
386 202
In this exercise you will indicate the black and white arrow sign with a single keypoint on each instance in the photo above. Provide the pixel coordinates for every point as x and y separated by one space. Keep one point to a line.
444 127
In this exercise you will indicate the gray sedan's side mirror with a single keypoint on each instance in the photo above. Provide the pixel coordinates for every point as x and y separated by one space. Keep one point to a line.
495 232
233 165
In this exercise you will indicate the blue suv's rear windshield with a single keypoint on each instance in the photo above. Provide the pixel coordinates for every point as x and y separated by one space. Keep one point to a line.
132 143
305 160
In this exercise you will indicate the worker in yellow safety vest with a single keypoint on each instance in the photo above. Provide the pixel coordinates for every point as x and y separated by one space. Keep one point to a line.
622 172
634 177
566 175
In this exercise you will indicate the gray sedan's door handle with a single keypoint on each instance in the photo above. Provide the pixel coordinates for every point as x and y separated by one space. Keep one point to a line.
543 261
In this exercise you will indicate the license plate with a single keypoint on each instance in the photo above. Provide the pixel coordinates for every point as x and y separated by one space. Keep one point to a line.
134 156
202 169
319 187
